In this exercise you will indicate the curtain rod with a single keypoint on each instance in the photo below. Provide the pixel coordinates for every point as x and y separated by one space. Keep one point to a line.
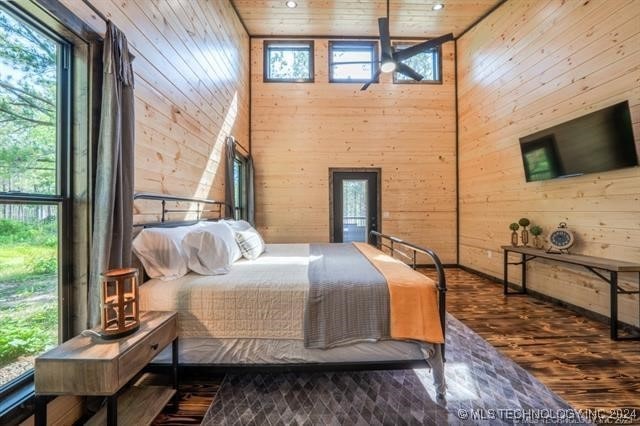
96 11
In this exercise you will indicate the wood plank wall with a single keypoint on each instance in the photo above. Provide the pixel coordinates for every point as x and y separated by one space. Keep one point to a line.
191 91
191 88
300 130
528 66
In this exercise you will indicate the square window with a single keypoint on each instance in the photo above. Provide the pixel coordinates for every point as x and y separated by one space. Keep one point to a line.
288 61
426 63
352 61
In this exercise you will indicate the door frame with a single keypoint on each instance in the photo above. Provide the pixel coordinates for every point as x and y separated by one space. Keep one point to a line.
377 171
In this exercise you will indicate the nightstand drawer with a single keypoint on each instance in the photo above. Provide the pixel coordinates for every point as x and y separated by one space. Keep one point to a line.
131 362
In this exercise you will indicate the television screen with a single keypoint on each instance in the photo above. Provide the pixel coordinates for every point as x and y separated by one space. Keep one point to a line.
597 142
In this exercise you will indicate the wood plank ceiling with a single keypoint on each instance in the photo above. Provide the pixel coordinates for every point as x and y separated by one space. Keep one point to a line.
408 18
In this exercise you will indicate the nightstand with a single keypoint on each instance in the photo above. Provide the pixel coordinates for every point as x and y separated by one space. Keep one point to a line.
90 366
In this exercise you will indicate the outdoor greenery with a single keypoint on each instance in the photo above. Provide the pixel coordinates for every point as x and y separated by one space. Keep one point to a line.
28 71
289 62
425 63
28 232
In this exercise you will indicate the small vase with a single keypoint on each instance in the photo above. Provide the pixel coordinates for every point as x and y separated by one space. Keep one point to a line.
524 235
537 242
514 239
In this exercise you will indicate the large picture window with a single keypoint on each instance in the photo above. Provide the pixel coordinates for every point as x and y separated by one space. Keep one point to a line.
426 63
288 61
352 61
34 190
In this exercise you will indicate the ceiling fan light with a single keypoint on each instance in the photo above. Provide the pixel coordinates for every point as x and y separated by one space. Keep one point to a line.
438 6
388 66
291 4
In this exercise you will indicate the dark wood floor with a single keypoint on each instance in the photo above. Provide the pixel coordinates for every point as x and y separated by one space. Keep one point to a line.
569 353
196 395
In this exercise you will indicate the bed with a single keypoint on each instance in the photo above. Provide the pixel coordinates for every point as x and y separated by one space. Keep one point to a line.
327 306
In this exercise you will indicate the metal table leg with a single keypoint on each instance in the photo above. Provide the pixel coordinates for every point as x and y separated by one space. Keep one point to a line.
40 414
112 410
505 281
524 274
174 364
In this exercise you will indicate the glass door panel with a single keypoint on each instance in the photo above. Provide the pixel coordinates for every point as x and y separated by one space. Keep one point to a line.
355 210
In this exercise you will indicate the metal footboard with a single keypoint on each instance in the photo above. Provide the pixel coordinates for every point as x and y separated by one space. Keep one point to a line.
392 243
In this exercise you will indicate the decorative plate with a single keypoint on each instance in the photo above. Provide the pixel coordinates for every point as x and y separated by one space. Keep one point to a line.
561 238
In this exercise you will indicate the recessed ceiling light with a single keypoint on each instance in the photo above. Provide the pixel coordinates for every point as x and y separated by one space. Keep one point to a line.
291 4
438 6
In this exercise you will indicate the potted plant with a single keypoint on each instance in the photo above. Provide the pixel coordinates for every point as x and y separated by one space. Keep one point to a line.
536 231
524 234
514 234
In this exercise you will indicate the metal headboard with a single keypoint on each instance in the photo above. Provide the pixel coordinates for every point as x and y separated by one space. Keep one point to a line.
201 207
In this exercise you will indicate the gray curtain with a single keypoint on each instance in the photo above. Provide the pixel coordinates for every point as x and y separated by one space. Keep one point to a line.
113 196
251 193
230 154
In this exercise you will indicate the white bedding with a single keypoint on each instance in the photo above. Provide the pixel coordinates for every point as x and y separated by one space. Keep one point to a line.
254 315
262 298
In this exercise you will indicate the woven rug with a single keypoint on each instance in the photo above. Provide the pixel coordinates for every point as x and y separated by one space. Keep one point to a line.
484 388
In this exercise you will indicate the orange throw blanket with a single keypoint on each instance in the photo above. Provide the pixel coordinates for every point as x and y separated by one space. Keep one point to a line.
413 298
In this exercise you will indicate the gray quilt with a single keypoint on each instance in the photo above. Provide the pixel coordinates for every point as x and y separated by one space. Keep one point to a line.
348 298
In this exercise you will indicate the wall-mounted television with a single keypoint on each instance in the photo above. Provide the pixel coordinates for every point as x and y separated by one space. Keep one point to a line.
600 141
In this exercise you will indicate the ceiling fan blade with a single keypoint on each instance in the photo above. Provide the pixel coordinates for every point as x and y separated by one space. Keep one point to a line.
385 38
408 71
370 82
403 54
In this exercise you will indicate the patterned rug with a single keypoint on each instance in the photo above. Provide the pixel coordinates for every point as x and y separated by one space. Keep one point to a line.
484 388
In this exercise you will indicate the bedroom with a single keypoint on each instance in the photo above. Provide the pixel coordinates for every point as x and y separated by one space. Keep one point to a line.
441 160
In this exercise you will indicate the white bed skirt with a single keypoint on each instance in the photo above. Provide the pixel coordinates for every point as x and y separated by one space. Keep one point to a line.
195 350
209 351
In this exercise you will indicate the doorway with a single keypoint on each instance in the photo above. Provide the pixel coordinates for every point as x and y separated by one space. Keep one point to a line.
354 204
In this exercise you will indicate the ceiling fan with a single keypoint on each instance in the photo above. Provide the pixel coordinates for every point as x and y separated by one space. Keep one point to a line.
392 59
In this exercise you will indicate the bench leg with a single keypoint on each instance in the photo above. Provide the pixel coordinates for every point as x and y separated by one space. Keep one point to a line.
614 305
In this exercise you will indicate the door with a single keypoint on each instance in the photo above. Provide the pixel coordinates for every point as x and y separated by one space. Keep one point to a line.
355 204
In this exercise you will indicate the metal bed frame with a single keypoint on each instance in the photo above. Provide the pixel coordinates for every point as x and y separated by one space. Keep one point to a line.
201 204
393 244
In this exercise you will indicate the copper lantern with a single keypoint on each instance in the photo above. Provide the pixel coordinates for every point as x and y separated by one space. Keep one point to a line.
120 313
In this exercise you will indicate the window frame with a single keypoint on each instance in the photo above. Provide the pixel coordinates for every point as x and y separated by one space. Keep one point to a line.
265 58
14 392
438 68
240 212
374 59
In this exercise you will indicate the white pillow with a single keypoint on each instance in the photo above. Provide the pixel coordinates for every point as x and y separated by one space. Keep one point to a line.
224 231
238 225
160 251
251 243
207 252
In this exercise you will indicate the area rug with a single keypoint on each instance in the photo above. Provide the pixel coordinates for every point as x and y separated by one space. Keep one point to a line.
484 388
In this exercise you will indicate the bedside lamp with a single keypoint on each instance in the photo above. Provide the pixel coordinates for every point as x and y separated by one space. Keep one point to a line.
120 313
